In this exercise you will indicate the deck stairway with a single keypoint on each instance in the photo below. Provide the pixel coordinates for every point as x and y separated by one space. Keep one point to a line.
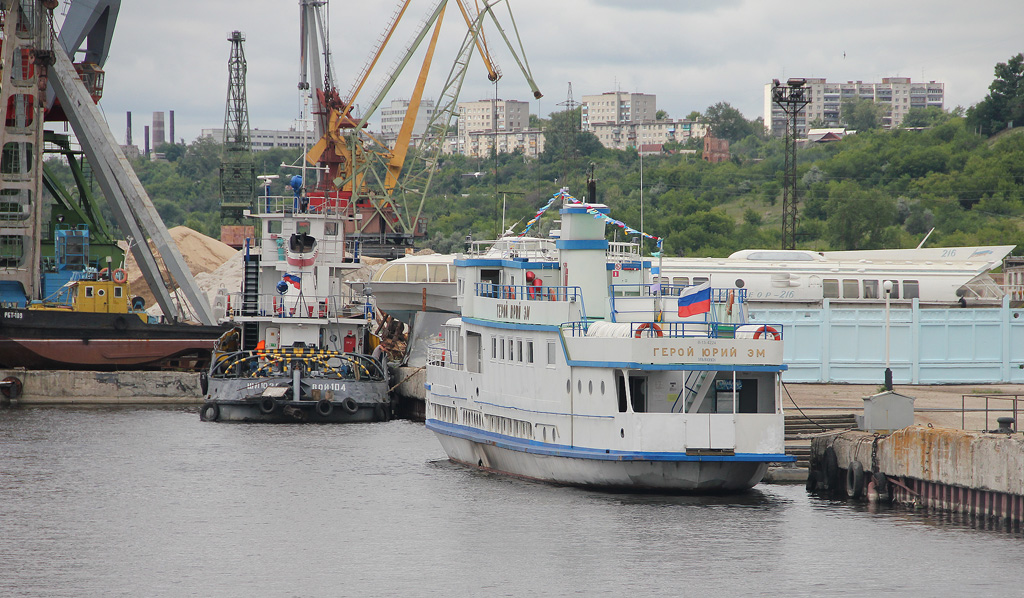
250 301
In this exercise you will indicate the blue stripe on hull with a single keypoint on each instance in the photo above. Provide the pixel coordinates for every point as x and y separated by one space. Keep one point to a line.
560 450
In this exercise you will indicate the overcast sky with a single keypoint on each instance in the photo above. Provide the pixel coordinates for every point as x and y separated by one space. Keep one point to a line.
173 55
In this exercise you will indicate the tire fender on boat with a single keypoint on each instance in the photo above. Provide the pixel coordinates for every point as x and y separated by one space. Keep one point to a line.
855 480
382 412
653 326
768 332
209 412
324 407
267 405
350 405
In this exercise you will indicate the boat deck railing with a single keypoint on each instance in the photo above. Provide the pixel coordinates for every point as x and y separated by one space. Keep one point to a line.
528 292
632 301
289 204
512 247
649 329
315 363
289 306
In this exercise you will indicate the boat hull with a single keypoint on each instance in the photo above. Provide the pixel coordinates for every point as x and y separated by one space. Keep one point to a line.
287 411
682 475
44 339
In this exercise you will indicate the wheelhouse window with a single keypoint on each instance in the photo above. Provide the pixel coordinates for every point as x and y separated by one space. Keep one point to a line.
871 289
911 289
851 289
830 288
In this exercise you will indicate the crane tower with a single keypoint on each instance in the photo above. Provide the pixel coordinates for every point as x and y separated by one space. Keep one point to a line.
237 170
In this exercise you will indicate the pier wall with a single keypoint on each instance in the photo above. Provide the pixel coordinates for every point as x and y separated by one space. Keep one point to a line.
65 387
975 345
975 473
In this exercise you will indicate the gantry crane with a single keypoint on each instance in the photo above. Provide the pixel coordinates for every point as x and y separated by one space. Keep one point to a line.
30 65
358 168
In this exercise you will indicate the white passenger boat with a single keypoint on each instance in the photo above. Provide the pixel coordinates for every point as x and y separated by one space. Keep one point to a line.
568 366
416 283
298 351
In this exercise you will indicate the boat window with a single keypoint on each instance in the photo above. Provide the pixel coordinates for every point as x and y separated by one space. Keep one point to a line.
871 289
391 273
529 351
302 227
494 347
851 289
519 351
784 256
638 394
118 292
274 226
492 277
699 280
830 288
680 281
331 229
416 272
511 350
501 341
88 291
473 352
551 352
620 388
911 289
439 273
895 289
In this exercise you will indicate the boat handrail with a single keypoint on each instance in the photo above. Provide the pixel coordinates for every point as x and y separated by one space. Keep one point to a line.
718 295
289 306
512 247
528 292
315 362
662 329
289 204
438 354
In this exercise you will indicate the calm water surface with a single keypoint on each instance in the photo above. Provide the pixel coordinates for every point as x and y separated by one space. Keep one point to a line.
153 502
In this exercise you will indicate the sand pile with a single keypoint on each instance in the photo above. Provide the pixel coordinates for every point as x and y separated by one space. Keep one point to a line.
203 255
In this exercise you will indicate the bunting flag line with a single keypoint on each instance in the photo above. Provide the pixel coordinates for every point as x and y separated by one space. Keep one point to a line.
563 194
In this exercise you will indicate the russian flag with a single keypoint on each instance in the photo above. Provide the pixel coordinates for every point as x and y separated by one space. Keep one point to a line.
695 300
292 279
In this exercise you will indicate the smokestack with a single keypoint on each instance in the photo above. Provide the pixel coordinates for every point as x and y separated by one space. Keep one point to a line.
146 135
173 141
128 134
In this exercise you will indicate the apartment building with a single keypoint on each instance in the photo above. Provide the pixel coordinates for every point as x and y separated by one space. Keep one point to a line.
628 135
898 95
493 115
392 117
617 107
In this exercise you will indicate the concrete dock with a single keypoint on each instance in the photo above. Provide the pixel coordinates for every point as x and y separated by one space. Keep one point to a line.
65 387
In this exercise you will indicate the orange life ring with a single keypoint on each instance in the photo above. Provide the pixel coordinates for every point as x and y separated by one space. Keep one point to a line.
120 276
552 296
510 292
640 329
768 330
104 273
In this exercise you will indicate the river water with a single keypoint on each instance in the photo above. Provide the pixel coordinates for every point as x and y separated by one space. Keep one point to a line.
153 502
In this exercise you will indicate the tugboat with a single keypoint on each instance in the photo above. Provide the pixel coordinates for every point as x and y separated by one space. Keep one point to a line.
298 351
571 364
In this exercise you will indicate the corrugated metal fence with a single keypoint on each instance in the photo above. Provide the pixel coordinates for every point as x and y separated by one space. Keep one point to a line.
927 346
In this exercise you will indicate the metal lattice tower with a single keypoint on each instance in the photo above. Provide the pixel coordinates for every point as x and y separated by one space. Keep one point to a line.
569 137
237 170
792 98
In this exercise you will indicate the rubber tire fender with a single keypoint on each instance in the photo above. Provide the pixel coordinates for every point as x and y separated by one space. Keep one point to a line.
855 480
382 413
267 405
209 412
324 407
830 470
350 405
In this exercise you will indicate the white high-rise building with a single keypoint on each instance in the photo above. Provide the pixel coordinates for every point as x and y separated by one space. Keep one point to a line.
897 94
617 107
493 116
391 119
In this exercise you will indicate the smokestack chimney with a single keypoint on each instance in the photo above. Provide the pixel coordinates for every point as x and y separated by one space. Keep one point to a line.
128 134
173 140
146 135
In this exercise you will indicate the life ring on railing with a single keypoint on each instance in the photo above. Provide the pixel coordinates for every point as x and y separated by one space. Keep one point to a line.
768 330
654 327
510 292
104 273
120 276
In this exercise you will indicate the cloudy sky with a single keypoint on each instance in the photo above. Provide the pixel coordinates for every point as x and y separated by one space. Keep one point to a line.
173 55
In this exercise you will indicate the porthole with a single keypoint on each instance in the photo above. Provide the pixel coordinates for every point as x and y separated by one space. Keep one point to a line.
602 386
739 283
622 432
568 386
579 386
591 387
